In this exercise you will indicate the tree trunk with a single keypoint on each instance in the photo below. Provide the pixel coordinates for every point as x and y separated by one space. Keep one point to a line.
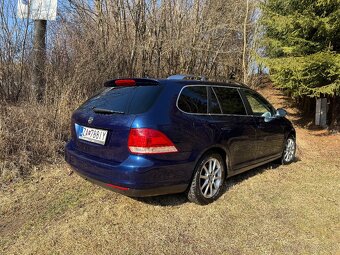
244 54
308 107
335 112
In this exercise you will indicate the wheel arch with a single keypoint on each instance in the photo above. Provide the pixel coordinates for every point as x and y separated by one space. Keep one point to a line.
290 132
220 149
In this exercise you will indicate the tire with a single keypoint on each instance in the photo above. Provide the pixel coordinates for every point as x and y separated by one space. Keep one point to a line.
288 155
204 190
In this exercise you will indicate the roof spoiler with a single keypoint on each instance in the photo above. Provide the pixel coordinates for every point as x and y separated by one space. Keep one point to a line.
128 82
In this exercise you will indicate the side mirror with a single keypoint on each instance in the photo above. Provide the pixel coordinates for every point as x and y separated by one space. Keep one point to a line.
281 112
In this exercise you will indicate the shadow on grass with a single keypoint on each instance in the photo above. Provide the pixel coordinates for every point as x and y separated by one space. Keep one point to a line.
179 199
308 123
164 200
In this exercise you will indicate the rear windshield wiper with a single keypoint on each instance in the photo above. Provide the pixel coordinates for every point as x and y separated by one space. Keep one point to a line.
106 111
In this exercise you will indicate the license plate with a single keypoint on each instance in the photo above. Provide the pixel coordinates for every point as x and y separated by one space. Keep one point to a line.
91 134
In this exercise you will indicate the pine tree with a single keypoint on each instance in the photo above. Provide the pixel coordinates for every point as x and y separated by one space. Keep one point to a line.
301 42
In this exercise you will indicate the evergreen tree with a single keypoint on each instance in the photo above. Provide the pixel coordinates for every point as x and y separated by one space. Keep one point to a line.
301 42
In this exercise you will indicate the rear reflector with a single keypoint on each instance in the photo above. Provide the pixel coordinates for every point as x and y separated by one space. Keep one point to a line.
149 141
116 187
125 83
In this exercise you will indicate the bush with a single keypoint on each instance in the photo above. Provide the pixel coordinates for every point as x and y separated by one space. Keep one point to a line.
31 135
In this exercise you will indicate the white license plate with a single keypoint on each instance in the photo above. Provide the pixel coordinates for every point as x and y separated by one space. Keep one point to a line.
91 134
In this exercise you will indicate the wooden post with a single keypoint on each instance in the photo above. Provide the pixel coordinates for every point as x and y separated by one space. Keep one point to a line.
39 59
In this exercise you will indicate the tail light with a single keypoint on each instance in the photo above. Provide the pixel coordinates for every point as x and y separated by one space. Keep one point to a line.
149 141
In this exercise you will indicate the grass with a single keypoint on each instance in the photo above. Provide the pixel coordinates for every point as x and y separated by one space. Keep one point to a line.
292 209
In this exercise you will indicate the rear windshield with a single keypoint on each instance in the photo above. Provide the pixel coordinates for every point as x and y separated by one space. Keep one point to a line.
130 100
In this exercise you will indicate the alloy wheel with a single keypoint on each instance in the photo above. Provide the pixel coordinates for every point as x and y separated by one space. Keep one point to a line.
210 178
289 152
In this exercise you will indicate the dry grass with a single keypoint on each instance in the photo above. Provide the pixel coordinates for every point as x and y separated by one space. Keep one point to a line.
272 210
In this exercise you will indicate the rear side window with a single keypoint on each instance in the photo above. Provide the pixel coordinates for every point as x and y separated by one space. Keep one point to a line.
129 100
230 101
193 99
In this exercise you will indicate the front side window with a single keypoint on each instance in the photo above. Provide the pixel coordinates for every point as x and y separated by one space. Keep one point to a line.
193 99
230 100
258 105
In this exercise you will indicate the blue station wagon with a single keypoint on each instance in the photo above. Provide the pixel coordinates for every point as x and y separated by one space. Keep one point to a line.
146 137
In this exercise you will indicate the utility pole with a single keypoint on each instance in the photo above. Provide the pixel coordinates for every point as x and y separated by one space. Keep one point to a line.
40 11
39 59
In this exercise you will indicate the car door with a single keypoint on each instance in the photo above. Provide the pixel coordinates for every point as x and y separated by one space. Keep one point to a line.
269 129
193 101
234 129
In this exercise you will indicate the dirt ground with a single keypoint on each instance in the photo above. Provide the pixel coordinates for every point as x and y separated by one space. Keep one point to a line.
274 209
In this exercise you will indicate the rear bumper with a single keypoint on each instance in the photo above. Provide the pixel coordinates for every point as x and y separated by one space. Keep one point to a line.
139 192
137 176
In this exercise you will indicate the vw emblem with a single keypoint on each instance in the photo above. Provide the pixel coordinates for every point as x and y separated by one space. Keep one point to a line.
90 120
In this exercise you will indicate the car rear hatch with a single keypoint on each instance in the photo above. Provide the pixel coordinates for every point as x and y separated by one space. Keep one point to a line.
101 126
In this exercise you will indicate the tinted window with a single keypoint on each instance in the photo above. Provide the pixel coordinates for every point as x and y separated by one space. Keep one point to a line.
258 104
230 101
144 98
125 99
214 106
193 99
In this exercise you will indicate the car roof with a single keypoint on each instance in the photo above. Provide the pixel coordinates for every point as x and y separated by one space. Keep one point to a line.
183 81
228 83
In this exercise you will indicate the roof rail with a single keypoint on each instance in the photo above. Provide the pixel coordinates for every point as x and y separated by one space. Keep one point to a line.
187 77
